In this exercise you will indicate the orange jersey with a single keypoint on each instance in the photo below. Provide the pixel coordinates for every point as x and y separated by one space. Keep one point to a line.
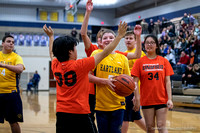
72 85
152 73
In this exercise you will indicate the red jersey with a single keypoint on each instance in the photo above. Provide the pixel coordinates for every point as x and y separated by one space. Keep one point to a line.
152 73
72 85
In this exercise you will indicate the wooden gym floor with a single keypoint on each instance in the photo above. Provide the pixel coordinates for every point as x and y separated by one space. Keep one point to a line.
40 109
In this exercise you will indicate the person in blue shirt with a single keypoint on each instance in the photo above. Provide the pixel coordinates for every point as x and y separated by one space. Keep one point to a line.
36 78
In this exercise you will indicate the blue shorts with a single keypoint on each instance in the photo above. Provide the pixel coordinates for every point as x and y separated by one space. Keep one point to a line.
129 113
11 108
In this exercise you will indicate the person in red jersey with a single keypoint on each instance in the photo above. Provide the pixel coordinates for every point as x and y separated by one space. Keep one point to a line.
155 96
72 81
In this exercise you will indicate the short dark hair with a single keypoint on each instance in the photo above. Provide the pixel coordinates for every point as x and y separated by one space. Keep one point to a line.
61 47
6 36
156 41
128 33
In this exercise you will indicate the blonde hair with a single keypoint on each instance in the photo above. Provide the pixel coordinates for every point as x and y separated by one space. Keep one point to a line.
108 31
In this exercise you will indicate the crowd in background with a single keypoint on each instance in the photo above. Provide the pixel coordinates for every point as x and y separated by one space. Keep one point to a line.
181 46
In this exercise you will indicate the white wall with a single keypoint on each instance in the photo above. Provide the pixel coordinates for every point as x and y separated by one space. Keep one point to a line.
29 14
172 7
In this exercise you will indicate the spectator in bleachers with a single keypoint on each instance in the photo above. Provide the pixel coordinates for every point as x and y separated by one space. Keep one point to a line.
171 58
164 22
186 76
170 42
183 62
144 25
183 44
185 19
164 32
181 34
151 26
191 18
165 49
177 46
158 27
196 45
162 49
192 76
183 24
171 32
192 58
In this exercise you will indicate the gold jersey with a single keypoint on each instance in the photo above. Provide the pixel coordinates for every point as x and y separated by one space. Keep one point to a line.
112 65
9 80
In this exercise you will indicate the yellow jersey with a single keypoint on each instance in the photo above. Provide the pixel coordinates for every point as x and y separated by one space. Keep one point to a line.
131 62
9 80
112 65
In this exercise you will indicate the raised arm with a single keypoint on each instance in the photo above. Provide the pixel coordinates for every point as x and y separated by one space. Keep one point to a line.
86 39
138 49
49 31
108 49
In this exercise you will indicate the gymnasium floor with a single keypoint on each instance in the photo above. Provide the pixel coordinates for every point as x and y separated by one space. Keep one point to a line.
39 117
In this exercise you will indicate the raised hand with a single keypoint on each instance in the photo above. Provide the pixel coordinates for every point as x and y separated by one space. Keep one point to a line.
122 27
137 30
89 6
49 31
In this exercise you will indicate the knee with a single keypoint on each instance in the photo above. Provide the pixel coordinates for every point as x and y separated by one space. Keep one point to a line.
161 125
150 127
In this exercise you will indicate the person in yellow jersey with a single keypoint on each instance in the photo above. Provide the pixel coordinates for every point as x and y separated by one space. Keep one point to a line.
129 113
11 66
110 106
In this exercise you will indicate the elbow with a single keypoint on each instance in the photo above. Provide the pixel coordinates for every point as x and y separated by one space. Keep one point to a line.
20 71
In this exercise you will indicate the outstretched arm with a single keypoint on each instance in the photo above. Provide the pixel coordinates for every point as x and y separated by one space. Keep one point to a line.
108 49
49 31
138 49
86 39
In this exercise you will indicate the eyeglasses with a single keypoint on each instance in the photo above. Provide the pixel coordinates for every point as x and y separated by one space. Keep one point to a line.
150 43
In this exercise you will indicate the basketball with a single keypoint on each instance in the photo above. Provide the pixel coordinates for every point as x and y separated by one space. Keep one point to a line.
124 85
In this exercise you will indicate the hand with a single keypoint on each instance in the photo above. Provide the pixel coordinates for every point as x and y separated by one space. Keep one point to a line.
89 6
49 31
138 30
189 75
169 104
122 27
136 105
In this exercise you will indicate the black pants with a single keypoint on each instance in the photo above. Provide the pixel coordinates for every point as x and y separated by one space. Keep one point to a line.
73 123
92 102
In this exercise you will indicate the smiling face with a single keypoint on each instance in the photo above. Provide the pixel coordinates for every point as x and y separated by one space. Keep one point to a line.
150 45
107 38
8 45
130 41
